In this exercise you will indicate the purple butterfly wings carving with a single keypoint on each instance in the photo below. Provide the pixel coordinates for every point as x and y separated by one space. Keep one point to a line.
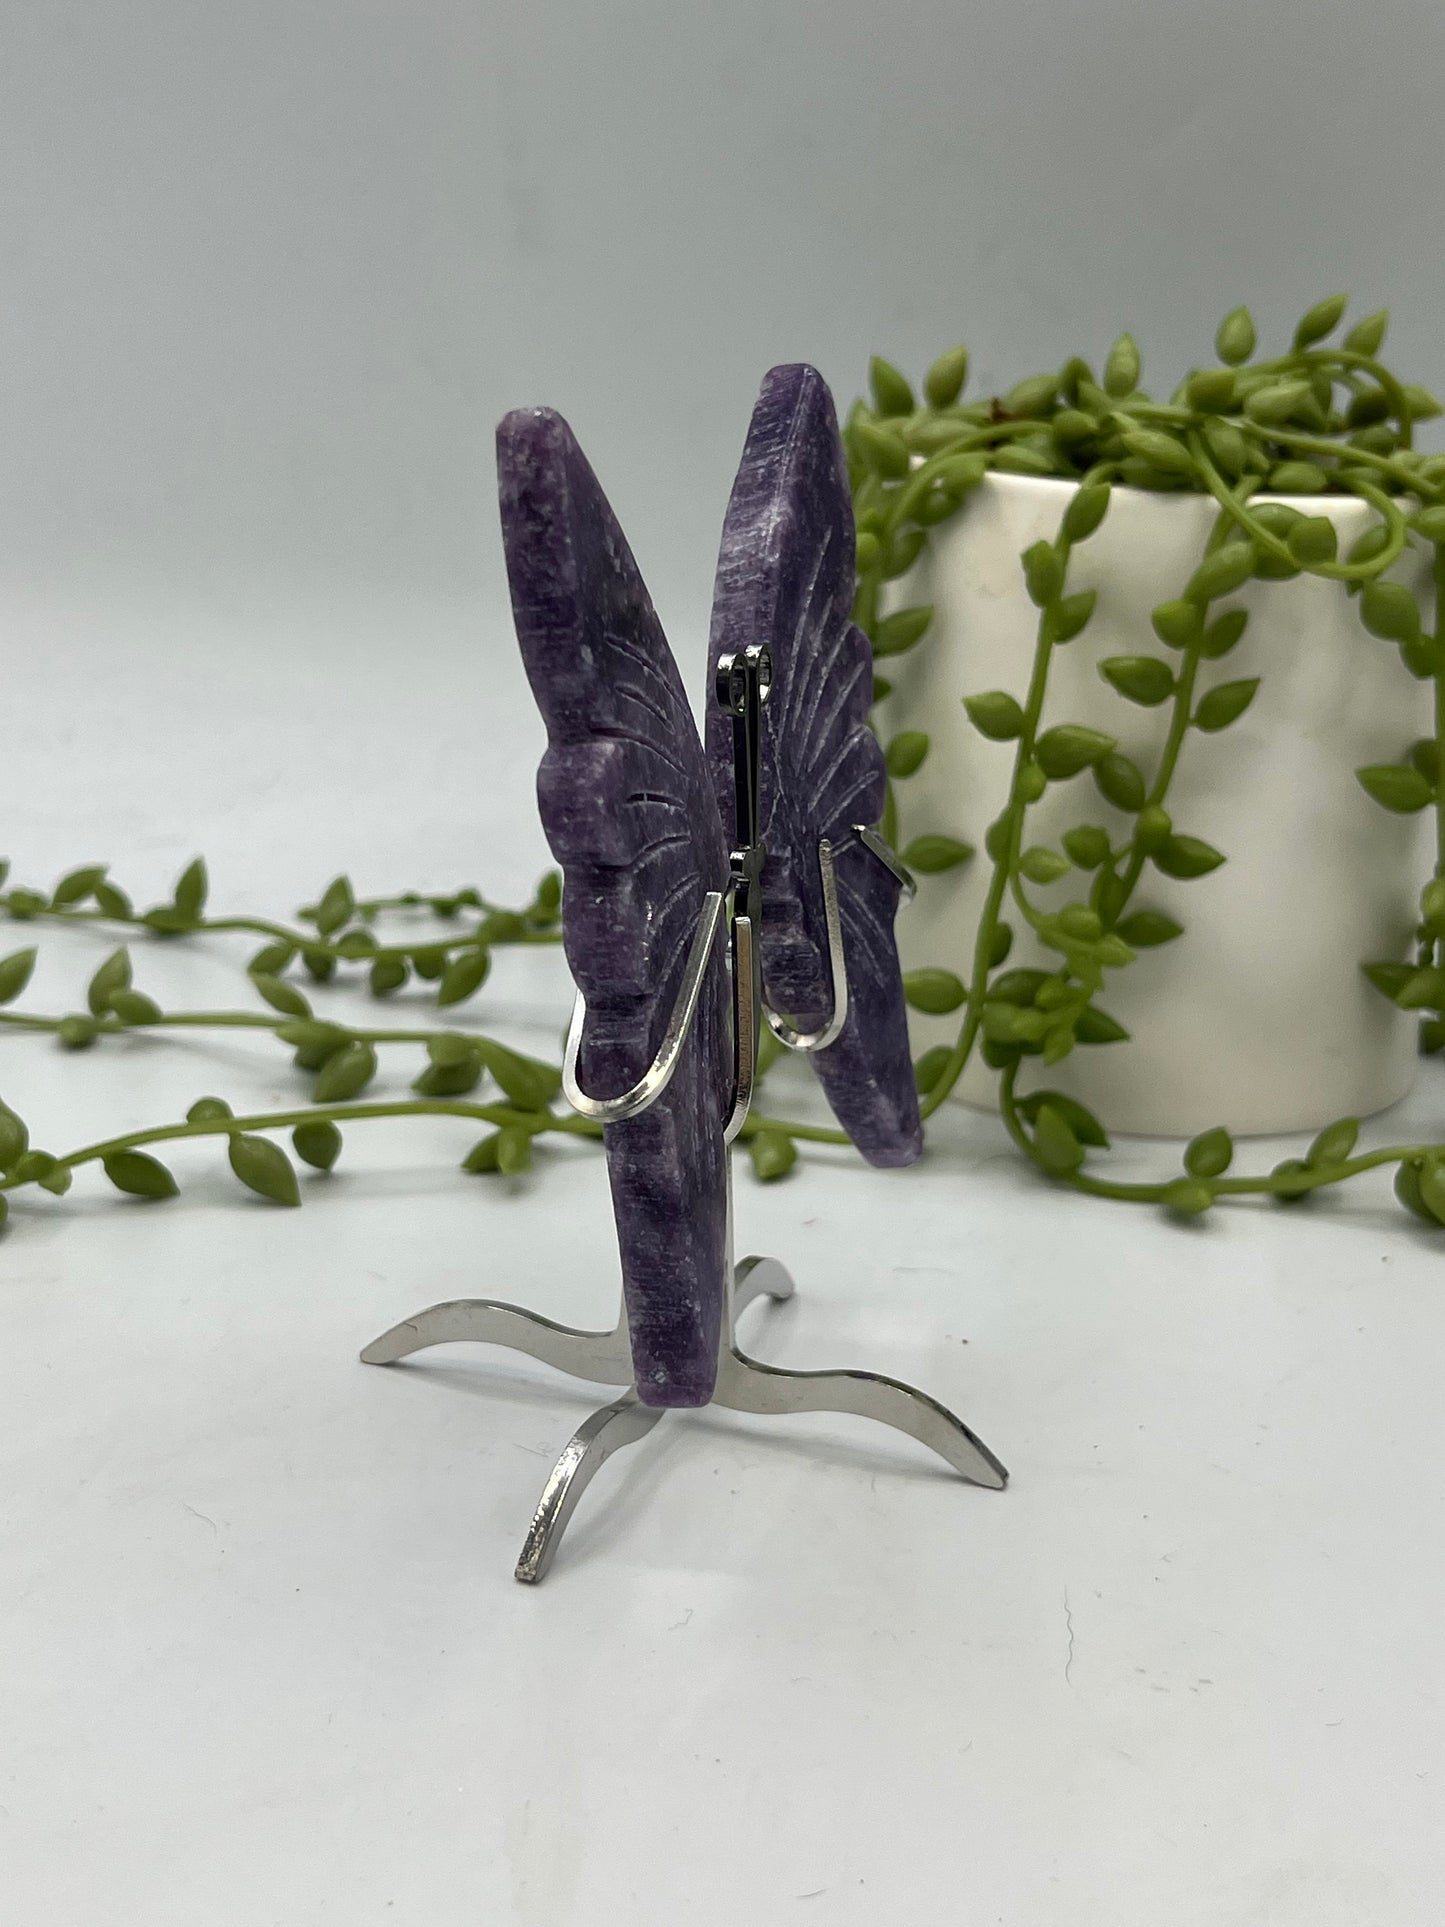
785 578
635 814
629 811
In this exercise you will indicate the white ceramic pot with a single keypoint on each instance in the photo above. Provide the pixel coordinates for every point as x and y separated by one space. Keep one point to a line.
1258 1017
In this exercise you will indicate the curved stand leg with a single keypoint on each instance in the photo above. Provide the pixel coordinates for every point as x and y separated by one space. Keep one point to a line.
589 1448
601 1357
745 1385
760 1278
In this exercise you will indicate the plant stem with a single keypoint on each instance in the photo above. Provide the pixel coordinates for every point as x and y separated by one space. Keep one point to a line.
534 1122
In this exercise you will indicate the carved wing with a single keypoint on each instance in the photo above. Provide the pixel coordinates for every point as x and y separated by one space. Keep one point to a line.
785 578
630 814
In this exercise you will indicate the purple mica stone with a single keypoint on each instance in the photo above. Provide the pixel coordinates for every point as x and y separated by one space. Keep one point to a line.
629 811
785 578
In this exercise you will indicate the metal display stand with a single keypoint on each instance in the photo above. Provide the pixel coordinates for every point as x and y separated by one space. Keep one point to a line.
744 1384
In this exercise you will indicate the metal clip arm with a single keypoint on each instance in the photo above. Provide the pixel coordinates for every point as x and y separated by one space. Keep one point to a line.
658 1075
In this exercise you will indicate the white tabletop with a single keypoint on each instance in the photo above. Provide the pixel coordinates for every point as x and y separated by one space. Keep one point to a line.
264 1660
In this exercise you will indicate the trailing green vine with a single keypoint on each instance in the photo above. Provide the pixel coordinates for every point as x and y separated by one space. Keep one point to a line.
1319 419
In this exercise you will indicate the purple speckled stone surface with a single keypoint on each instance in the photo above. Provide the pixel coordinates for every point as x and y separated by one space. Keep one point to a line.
785 578
631 816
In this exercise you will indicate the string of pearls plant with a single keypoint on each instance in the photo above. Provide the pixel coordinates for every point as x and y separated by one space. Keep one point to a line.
1319 419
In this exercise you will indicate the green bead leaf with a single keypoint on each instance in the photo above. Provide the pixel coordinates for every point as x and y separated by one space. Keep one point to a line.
264 1167
1085 512
1312 540
1335 1142
882 450
1396 786
1145 929
1096 1026
1225 703
191 891
929 1068
929 855
1210 1154
905 753
1020 986
1034 395
1080 1119
891 392
15 974
995 714
514 1150
1430 523
1210 391
134 1007
346 1073
1367 336
1143 679
1432 1188
1158 450
1178 623
1187 856
1154 828
319 963
78 885
336 906
114 903
1188 1197
453 1079
1043 572
14 1138
466 973
1298 478
1041 865
1122 368
113 975
1223 634
1120 782
773 1154
317 1143
1421 403
1070 615
935 991
1274 404
280 995
206 1110
139 1175
944 381
1322 319
1055 1146
483 1155
1014 458
1390 611
388 973
896 634
1422 990
1087 846
1221 573
527 1081
1408 1190
271 959
1235 339
1391 978
1070 747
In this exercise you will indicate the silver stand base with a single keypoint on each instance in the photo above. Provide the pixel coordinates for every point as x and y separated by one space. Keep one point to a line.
743 1385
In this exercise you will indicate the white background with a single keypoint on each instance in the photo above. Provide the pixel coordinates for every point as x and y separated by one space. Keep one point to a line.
270 275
